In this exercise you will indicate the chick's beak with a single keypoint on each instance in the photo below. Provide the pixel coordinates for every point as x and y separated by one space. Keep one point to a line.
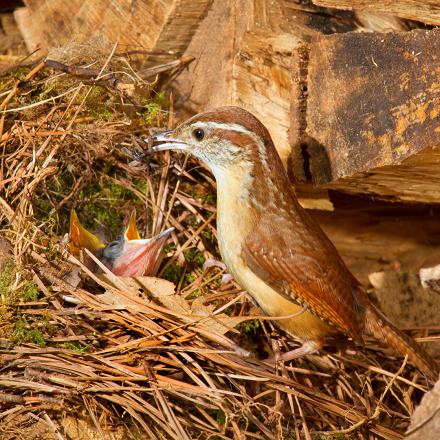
166 141
81 238
139 257
131 232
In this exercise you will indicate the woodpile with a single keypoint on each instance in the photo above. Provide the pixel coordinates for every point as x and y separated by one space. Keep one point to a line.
354 90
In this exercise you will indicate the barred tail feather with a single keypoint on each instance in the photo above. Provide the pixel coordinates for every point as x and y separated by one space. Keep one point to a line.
379 326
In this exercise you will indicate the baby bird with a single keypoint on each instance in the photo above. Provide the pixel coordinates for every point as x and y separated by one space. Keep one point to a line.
128 256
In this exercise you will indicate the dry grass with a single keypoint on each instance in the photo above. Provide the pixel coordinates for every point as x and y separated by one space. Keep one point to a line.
142 362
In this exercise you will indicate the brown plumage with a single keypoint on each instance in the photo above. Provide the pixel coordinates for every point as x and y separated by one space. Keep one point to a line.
271 245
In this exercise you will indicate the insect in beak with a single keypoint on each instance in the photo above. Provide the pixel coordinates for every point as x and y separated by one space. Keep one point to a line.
166 141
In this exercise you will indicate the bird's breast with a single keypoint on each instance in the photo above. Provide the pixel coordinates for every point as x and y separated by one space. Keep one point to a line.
235 220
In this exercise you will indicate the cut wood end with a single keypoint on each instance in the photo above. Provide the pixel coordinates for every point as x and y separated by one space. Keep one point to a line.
370 106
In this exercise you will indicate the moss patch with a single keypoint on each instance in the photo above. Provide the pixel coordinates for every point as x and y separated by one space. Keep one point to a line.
23 332
7 276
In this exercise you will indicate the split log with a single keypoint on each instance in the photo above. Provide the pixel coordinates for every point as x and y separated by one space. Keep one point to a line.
426 11
361 108
11 40
142 25
372 107
380 236
403 299
31 35
245 63
262 81
208 81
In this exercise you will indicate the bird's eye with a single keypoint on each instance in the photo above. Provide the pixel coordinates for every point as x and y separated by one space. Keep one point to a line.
198 134
112 244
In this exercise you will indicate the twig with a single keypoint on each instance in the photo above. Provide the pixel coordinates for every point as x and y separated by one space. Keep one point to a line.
377 411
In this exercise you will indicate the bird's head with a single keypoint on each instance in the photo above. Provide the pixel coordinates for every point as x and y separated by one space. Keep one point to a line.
131 256
221 138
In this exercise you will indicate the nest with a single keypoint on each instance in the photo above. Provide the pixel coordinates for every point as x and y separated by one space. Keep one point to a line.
87 356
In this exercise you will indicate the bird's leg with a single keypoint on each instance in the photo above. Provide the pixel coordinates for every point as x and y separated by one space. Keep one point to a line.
308 347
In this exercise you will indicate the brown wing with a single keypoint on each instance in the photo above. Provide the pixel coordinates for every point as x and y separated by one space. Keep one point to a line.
294 256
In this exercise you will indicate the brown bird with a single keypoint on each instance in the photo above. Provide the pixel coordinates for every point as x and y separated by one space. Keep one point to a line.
271 245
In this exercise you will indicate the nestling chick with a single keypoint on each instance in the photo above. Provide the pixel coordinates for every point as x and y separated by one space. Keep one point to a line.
129 256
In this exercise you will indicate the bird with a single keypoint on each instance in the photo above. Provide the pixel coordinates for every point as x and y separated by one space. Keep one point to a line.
128 256
272 247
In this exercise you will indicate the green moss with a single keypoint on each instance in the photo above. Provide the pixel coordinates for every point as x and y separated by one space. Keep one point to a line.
207 235
106 216
141 185
101 111
93 95
152 112
249 326
220 417
63 181
104 199
58 186
210 199
29 292
116 191
22 334
170 247
194 294
21 72
194 257
7 276
173 273
77 347
189 278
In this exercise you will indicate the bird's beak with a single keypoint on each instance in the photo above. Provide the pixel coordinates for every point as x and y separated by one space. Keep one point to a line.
166 141
132 233
140 257
81 238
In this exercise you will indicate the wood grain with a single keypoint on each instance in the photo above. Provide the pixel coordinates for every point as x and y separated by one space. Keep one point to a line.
262 82
144 24
31 35
372 103
208 81
374 236
426 11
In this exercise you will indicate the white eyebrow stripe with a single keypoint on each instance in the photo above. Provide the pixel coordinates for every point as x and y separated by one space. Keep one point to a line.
232 127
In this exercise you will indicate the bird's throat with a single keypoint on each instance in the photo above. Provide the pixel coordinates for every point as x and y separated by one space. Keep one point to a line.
236 214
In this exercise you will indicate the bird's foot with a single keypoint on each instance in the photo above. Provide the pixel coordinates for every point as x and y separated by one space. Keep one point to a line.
226 278
212 262
308 347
